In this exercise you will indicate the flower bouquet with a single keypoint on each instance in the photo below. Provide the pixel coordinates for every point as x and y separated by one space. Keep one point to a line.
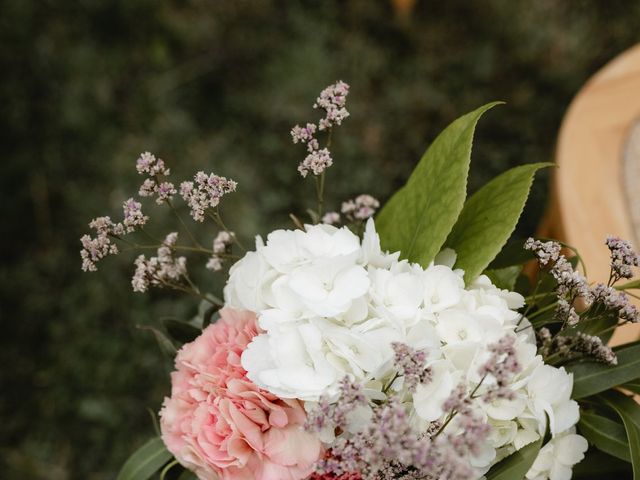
402 342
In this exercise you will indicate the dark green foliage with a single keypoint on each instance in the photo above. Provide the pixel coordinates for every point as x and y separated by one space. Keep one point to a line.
86 85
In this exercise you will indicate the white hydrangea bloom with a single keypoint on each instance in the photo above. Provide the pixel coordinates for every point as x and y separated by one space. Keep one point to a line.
556 459
330 305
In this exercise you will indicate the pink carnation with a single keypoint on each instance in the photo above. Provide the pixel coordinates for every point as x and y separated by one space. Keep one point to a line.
219 424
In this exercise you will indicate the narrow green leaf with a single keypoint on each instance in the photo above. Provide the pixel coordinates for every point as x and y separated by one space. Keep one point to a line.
590 377
489 218
598 465
418 218
504 278
145 461
606 434
516 465
632 387
629 412
634 284
166 345
180 331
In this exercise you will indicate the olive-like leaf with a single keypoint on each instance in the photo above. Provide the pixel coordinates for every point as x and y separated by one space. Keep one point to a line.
145 461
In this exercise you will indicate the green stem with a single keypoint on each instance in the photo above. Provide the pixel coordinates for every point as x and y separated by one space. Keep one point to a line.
216 217
184 225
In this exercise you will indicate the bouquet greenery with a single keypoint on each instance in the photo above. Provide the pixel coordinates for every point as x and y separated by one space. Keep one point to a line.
413 342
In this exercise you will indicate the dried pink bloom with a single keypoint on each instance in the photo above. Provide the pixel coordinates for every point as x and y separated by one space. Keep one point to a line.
333 100
566 313
623 257
148 164
502 366
410 364
616 301
331 218
303 134
360 208
221 245
205 192
161 270
133 216
326 414
546 252
165 191
96 248
316 162
148 188
571 283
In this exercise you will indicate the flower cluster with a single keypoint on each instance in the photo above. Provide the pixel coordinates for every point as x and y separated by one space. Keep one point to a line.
154 167
162 270
332 100
205 193
575 346
96 248
421 344
617 302
221 245
360 208
623 258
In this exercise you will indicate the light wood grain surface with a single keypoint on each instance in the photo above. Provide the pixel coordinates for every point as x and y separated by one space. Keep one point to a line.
589 198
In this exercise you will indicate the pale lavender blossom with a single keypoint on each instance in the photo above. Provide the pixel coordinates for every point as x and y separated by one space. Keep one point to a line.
502 365
592 346
360 208
96 248
410 364
546 252
567 347
616 302
331 218
165 192
162 270
133 216
327 414
221 245
571 283
303 134
316 162
148 188
205 192
566 313
623 257
148 164
333 100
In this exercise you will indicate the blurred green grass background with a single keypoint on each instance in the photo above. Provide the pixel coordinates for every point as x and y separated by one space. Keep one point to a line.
87 85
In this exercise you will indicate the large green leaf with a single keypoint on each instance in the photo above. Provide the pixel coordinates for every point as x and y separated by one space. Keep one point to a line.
145 461
516 465
590 377
598 465
418 218
629 412
489 218
606 434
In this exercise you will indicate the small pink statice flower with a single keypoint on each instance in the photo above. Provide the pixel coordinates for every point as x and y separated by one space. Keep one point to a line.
96 248
221 244
162 270
316 162
205 192
133 216
331 218
332 100
148 164
360 208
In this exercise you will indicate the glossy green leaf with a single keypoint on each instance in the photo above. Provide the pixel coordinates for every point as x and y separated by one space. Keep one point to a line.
632 285
418 218
145 461
598 465
504 278
629 411
632 386
591 377
187 475
606 434
516 465
489 218
513 253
